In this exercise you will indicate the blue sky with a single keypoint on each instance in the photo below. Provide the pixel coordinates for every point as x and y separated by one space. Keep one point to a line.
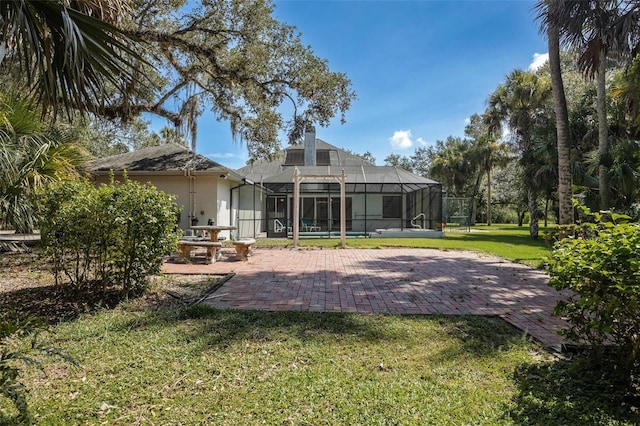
419 68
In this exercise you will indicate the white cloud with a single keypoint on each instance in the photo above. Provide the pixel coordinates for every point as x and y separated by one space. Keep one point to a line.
222 155
539 59
467 121
401 139
421 142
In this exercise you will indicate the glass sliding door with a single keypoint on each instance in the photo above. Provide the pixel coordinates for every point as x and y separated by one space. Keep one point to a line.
322 213
277 220
335 213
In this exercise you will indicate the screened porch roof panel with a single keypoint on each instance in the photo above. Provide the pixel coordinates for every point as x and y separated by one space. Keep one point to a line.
370 175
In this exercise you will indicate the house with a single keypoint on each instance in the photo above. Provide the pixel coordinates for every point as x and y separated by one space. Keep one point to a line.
202 188
259 198
376 197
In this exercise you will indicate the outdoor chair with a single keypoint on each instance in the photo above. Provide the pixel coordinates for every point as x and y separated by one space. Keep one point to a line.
278 226
308 225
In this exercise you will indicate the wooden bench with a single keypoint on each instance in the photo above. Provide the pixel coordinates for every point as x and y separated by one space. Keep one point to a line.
185 247
244 248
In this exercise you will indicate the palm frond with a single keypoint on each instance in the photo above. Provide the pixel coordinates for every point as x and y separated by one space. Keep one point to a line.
70 57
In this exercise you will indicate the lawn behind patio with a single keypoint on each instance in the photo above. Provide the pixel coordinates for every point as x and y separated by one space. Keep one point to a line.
507 241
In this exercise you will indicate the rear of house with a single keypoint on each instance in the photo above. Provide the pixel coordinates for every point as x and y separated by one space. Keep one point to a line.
376 196
202 188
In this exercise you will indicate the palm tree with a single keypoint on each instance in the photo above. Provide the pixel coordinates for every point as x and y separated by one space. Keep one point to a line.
520 102
450 164
70 51
31 156
599 29
487 152
548 16
491 153
625 91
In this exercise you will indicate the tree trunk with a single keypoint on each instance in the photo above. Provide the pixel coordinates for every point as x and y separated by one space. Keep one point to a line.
546 212
533 213
603 134
473 212
474 198
562 127
489 196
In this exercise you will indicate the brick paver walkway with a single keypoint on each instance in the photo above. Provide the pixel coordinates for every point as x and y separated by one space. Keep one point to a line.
394 281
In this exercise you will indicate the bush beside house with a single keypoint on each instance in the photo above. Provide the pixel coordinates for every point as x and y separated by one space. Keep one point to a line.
114 234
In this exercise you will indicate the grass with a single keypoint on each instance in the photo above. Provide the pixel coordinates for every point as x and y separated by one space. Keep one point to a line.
204 366
506 241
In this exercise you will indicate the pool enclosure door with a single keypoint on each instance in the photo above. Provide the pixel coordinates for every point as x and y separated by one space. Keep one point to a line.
327 212
322 211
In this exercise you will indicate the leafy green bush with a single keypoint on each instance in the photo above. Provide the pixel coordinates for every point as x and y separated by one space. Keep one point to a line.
602 269
112 234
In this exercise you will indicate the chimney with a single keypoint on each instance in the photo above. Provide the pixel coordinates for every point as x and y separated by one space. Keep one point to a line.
309 145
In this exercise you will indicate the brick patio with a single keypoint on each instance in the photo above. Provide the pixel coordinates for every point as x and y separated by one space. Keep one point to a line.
391 281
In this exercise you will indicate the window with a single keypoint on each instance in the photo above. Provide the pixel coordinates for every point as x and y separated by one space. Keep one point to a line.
392 206
308 208
294 157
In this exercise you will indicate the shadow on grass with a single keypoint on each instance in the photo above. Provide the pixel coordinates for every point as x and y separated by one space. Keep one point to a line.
6 420
55 303
567 392
469 335
515 240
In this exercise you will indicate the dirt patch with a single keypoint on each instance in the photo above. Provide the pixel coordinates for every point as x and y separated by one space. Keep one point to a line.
185 290
28 289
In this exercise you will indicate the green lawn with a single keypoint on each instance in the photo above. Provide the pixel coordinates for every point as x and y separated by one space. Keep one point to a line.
507 241
205 366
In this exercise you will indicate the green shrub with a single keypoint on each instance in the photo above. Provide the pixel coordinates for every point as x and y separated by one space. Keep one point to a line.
601 266
112 234
503 214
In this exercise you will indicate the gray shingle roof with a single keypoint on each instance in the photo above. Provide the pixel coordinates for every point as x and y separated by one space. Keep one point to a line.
333 160
169 157
291 156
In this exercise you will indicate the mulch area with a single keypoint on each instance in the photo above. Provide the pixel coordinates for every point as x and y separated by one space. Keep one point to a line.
28 290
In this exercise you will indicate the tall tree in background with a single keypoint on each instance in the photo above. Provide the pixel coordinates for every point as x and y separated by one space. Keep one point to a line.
625 91
488 152
234 58
599 30
397 160
520 103
452 165
421 161
548 14
174 59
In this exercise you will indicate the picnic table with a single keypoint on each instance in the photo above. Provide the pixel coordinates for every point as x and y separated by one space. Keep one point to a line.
213 230
211 246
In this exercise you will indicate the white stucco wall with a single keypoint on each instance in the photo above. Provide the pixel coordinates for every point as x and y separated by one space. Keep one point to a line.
209 198
248 221
373 212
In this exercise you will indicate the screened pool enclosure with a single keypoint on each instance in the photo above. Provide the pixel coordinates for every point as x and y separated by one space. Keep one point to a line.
375 197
